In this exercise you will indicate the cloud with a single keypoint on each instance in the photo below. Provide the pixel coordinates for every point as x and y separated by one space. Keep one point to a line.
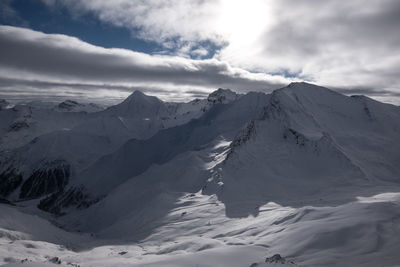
34 60
344 44
174 24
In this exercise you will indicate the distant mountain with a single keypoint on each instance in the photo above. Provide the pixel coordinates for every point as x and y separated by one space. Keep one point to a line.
73 106
3 104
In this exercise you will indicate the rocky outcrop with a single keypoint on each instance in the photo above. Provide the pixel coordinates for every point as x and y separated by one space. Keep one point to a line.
10 180
74 196
18 125
242 137
222 96
50 178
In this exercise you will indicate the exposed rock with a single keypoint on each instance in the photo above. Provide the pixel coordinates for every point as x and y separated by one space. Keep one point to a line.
277 258
242 137
46 180
9 181
18 125
55 260
221 96
299 138
75 196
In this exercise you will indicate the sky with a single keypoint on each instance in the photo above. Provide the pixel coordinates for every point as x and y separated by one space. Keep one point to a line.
103 50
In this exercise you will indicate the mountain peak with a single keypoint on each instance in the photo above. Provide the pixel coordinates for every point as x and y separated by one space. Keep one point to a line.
222 96
137 104
294 84
304 85
3 104
74 106
68 104
311 91
138 95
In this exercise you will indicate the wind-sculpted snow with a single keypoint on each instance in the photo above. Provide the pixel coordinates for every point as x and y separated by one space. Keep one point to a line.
301 177
362 232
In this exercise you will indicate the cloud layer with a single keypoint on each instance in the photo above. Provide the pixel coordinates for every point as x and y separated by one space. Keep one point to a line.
32 59
353 46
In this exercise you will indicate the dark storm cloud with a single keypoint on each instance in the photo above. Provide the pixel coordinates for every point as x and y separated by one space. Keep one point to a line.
58 60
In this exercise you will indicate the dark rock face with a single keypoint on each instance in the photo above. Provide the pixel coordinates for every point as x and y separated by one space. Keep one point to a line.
299 138
18 125
9 181
55 260
277 258
242 137
46 180
220 95
75 196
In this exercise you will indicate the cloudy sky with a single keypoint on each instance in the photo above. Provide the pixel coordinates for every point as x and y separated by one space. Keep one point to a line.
178 50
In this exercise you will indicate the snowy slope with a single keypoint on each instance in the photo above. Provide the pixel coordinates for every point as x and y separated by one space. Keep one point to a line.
196 232
22 123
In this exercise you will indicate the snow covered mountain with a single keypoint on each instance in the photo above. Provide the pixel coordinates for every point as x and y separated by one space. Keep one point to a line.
303 172
73 106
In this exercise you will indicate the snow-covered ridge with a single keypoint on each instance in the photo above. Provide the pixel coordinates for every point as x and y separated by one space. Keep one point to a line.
74 106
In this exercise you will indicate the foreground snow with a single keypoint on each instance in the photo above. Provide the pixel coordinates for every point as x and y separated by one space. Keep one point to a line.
363 232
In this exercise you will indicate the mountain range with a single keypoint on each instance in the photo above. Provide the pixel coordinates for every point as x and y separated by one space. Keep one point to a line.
302 176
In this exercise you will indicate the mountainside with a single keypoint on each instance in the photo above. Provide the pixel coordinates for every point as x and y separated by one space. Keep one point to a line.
311 143
303 172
